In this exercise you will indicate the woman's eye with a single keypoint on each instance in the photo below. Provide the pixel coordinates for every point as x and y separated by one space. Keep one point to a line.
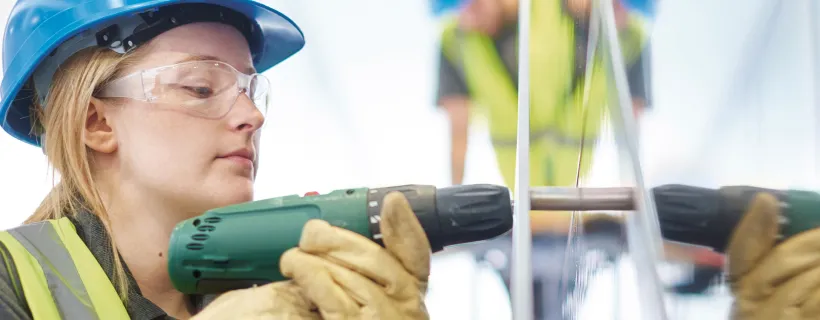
199 91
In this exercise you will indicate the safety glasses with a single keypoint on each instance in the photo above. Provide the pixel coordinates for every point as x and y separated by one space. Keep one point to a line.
206 89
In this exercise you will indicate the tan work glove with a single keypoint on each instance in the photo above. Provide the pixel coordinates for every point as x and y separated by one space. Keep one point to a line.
773 280
349 276
278 300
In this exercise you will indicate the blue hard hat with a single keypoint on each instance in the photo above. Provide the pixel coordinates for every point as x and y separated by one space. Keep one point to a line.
42 34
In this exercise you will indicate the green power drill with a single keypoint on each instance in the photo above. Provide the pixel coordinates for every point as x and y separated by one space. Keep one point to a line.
239 246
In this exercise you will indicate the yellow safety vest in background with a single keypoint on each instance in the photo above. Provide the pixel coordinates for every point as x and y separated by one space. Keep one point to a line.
556 109
59 276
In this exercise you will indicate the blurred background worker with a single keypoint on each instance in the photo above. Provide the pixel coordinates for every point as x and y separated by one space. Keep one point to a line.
478 67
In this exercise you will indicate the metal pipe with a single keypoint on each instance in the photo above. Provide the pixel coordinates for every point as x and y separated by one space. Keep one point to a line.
582 199
521 282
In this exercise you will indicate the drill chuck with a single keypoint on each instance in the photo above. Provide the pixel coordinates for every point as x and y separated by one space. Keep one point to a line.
703 216
451 215
473 213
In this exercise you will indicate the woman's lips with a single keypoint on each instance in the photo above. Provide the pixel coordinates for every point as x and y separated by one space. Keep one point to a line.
241 161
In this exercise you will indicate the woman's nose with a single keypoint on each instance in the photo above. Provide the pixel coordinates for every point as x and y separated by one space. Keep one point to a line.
245 115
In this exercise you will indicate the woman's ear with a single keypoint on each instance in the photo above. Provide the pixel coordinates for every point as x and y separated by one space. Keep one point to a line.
99 135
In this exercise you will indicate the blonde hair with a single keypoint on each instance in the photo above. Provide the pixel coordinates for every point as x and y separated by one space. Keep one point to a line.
62 124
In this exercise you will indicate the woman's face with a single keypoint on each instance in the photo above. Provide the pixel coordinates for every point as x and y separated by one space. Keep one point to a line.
188 162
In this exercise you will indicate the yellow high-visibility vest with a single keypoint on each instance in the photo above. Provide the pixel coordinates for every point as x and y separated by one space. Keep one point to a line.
556 107
60 278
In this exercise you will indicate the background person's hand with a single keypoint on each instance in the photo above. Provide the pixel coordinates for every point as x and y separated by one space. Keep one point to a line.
580 9
278 300
349 276
773 280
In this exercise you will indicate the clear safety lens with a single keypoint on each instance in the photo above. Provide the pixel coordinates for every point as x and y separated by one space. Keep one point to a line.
259 92
203 88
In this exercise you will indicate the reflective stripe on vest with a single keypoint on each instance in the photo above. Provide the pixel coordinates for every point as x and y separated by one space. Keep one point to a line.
60 277
41 240
556 109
